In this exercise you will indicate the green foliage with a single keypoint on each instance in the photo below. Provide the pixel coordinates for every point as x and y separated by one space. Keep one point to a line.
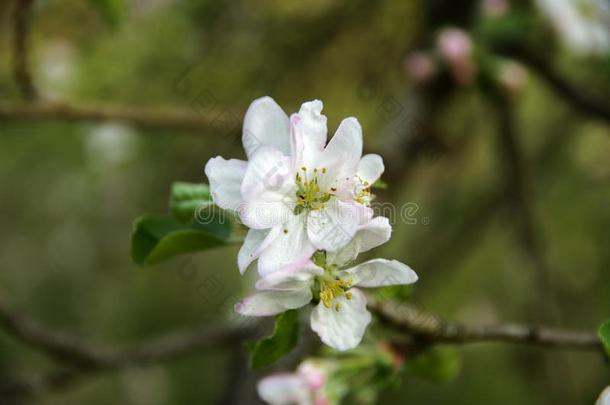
195 226
604 335
157 238
439 364
380 184
113 11
283 339
187 199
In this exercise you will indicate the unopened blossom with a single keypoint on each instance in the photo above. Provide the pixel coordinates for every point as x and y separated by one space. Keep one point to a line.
582 24
420 67
512 76
340 316
455 46
604 398
304 387
297 192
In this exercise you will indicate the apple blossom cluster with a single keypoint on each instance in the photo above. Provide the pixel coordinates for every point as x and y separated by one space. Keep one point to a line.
306 202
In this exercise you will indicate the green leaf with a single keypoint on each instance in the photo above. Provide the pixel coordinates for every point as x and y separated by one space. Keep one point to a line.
272 348
157 238
439 364
319 258
604 334
380 184
113 11
187 199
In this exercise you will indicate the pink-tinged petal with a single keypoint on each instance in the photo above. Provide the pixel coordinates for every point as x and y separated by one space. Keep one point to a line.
256 240
314 373
308 132
370 235
291 247
225 178
342 154
268 177
266 124
342 329
334 226
270 303
370 168
380 272
291 277
284 389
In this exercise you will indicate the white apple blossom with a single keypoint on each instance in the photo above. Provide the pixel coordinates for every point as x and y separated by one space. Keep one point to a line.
340 316
305 387
296 193
584 25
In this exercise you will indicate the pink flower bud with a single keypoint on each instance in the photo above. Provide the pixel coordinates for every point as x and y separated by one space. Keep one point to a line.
313 374
455 46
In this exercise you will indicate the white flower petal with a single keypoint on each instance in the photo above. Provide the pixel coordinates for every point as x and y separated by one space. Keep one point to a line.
266 189
266 124
264 214
292 277
342 154
333 227
343 329
604 398
284 389
291 247
309 132
268 177
225 177
381 272
370 168
256 240
372 234
269 303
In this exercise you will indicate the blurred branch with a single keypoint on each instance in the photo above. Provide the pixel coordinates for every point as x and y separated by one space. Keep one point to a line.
168 118
583 102
20 50
408 318
72 350
87 358
518 193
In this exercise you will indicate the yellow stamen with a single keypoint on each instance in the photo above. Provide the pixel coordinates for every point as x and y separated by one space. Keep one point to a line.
334 288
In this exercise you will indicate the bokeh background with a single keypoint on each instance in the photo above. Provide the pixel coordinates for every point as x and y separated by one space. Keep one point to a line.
509 175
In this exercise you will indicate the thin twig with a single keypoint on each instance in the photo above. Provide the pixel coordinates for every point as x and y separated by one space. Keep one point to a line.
410 319
162 118
20 50
519 195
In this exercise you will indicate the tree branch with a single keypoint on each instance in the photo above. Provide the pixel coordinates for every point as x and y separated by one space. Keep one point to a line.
20 50
583 102
408 318
69 349
166 118
85 359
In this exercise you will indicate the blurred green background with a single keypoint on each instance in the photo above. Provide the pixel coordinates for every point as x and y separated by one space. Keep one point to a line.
70 190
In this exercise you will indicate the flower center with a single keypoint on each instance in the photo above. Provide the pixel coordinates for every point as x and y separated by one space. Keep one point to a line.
309 196
363 195
331 288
